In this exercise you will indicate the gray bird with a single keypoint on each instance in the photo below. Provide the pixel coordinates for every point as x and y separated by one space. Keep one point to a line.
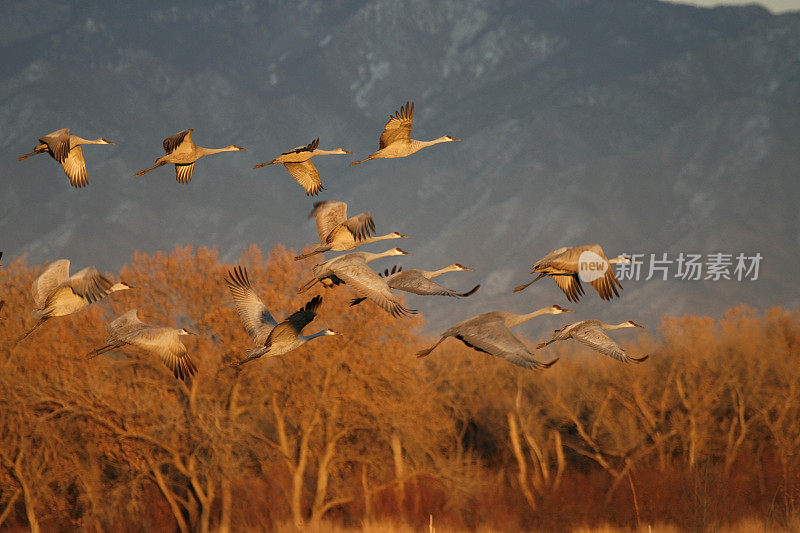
338 233
165 342
351 269
564 264
420 282
489 333
181 151
591 333
396 138
273 338
66 149
56 293
298 162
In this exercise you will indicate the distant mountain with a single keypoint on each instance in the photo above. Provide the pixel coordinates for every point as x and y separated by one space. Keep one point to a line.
647 127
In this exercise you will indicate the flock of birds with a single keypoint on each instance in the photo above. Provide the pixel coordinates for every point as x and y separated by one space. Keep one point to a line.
56 293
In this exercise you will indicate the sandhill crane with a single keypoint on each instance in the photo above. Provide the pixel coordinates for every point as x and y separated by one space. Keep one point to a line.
66 149
351 269
564 266
181 151
420 282
274 339
339 233
298 163
590 332
396 138
165 342
56 293
489 333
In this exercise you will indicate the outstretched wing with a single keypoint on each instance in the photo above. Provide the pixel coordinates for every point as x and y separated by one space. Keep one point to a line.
124 324
570 285
360 225
399 126
606 285
172 143
545 261
413 281
183 173
495 339
54 275
306 175
89 284
58 143
303 316
309 148
594 337
286 333
255 317
329 215
368 284
165 343
75 167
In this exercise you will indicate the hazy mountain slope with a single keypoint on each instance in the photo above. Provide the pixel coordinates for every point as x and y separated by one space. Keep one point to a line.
644 126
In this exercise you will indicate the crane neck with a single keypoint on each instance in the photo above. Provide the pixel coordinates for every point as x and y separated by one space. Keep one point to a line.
306 338
74 141
368 256
433 273
515 320
378 238
336 151
423 144
616 326
118 287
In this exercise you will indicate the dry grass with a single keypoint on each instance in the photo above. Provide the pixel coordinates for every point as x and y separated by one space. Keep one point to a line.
748 525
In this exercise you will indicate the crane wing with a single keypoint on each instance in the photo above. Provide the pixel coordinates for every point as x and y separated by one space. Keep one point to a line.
165 343
606 285
329 215
360 225
255 317
89 284
75 167
413 281
172 143
399 126
183 173
495 339
303 316
306 175
294 323
123 324
594 337
54 275
570 285
368 284
309 148
564 259
58 143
